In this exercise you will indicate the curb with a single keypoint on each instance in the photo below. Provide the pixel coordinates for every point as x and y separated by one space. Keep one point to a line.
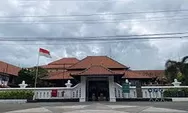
180 99
20 101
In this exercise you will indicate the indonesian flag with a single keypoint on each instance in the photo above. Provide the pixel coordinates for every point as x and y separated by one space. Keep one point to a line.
44 52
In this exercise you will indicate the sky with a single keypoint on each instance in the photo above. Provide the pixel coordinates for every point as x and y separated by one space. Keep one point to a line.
137 54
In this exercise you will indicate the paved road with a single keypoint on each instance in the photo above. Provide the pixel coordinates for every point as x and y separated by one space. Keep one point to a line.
93 107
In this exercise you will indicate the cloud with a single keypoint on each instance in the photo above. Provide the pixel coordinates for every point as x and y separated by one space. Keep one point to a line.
147 54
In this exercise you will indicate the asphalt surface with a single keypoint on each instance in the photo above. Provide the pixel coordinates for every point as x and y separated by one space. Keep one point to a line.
170 105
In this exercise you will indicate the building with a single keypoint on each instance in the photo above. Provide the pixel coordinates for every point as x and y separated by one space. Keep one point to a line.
58 72
8 74
97 75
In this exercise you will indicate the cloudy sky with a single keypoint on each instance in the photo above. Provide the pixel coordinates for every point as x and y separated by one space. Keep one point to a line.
138 54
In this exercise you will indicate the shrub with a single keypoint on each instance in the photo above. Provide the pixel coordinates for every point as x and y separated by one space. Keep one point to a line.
176 92
16 94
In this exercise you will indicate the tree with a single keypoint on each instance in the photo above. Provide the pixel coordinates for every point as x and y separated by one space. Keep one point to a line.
28 75
41 73
177 70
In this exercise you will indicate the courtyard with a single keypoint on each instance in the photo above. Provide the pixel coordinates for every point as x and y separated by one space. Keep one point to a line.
93 107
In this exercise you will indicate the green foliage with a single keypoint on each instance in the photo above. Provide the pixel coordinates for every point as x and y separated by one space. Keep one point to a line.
16 94
28 75
171 73
177 70
41 72
179 76
176 92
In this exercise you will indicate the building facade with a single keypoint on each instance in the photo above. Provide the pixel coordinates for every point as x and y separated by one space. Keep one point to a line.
97 76
8 74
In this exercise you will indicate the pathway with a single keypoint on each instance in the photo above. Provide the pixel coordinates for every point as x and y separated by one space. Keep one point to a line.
98 108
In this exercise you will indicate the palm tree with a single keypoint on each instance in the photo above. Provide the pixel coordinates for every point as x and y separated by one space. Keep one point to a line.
177 70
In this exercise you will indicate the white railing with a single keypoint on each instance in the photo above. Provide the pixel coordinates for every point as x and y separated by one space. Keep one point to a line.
156 91
147 91
75 92
46 93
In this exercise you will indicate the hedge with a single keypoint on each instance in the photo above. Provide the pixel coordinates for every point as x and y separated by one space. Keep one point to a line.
16 94
176 92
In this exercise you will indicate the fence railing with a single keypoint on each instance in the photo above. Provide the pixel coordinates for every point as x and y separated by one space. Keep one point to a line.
75 92
147 91
52 92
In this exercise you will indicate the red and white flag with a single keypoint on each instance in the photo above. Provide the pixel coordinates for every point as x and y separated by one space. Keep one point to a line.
44 52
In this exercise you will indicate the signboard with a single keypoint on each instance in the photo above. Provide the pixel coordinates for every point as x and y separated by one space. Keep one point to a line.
126 88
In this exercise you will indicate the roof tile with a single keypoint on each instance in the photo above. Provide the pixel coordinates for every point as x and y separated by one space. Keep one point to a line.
62 61
55 66
136 75
97 60
9 69
96 70
153 73
58 76
144 74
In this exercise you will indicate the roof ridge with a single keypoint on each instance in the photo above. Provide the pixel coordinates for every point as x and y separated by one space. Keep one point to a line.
97 56
60 64
77 62
116 62
107 69
63 58
10 64
97 66
85 70
103 59
151 70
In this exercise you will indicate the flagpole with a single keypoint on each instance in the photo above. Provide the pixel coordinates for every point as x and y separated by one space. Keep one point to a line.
37 71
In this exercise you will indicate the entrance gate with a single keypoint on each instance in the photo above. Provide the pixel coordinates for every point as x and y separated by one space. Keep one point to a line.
97 89
139 89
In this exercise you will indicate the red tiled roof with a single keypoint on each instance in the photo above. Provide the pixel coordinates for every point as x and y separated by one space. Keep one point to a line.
55 66
97 65
9 69
61 63
58 76
69 61
144 74
97 60
153 73
135 75
97 70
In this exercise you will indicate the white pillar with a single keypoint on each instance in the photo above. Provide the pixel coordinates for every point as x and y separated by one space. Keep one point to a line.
112 89
83 89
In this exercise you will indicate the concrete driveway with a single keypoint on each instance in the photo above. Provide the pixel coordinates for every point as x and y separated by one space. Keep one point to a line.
94 107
